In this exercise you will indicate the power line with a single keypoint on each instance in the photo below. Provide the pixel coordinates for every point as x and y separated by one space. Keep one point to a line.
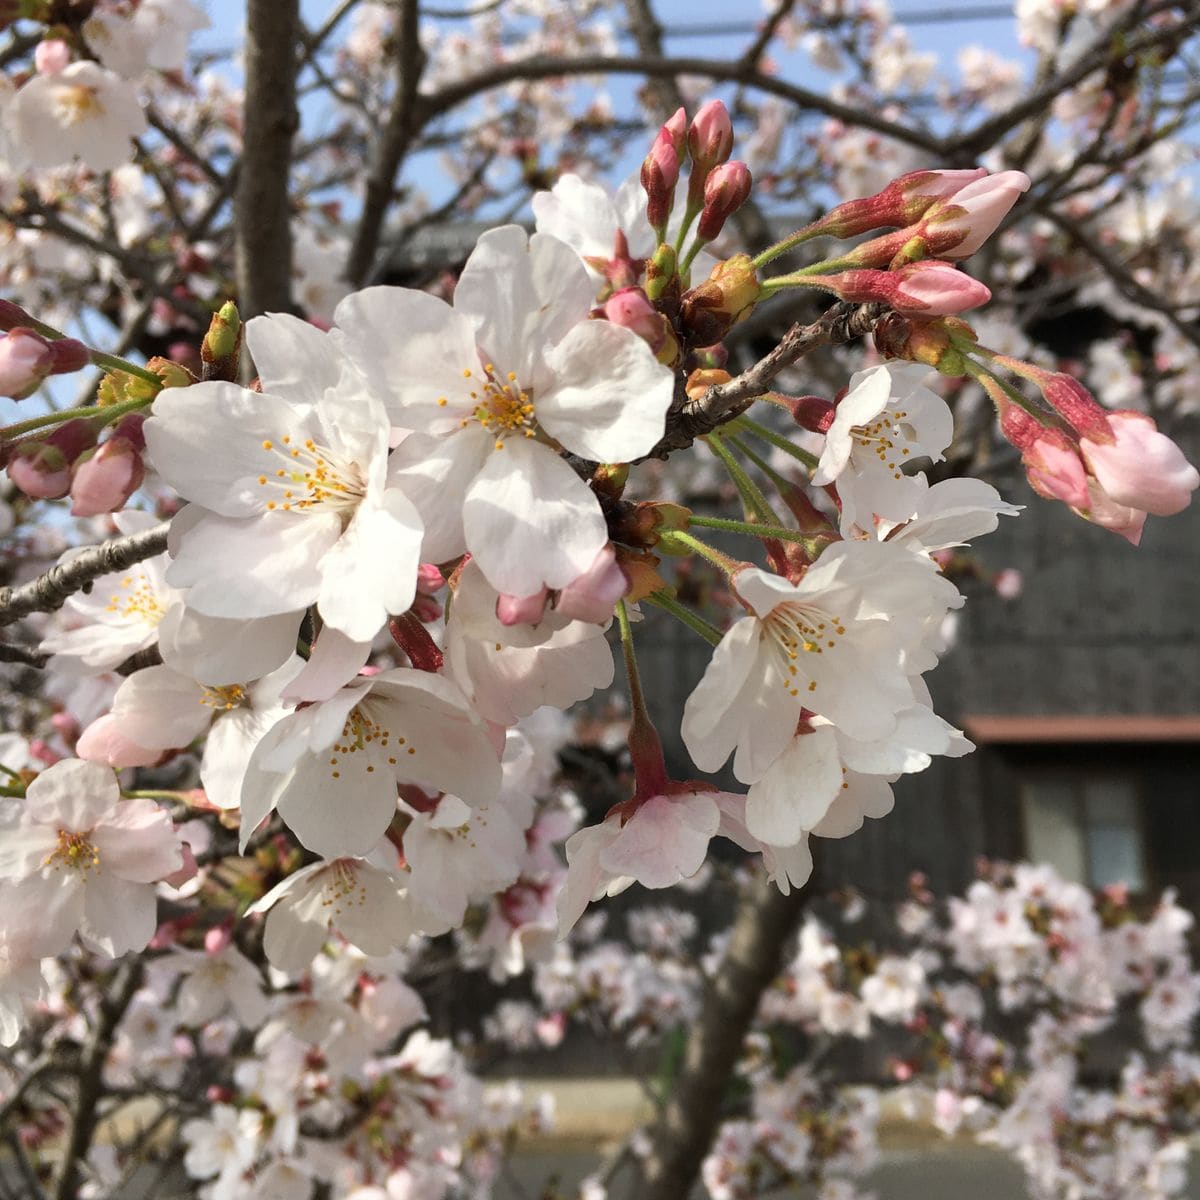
918 16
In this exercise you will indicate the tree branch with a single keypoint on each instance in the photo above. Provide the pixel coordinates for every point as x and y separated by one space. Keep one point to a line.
405 118
683 1134
50 591
84 1116
261 209
841 324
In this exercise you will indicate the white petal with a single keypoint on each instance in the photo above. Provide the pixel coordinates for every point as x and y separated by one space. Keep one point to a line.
530 521
294 359
257 567
372 570
610 396
434 473
796 790
72 794
223 650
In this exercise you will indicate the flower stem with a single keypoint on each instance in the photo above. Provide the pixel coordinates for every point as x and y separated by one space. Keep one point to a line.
696 623
645 746
776 439
747 527
722 562
755 503
106 416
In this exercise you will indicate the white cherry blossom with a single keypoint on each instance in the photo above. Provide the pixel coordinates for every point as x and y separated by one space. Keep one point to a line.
83 111
493 386
76 857
290 501
332 768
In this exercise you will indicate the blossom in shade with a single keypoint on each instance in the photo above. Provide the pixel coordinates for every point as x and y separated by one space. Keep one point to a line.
76 857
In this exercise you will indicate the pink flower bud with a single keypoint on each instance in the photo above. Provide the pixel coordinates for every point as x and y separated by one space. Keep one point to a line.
1009 583
631 309
1141 468
593 595
725 191
104 481
12 315
927 288
902 202
67 355
429 579
660 173
25 360
51 56
710 135
66 726
217 938
42 468
676 129
521 610
957 227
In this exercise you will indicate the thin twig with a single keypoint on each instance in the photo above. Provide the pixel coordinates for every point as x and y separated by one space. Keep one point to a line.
50 591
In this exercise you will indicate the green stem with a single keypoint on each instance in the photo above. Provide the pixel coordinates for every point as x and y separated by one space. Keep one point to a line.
776 439
110 362
153 794
722 562
788 243
105 416
696 623
978 371
755 503
805 277
758 531
689 215
18 792
686 265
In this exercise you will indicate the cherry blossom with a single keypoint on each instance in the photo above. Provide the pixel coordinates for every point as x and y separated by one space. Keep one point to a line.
84 860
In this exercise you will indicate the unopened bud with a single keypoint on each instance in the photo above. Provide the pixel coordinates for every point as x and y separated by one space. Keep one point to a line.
676 128
813 413
12 315
51 56
660 173
25 360
631 309
103 481
923 341
725 191
726 297
661 273
957 227
41 468
221 349
609 480
926 288
902 202
710 136
1067 396
68 355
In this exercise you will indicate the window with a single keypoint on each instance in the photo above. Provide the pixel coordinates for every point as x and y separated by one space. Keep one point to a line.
1086 826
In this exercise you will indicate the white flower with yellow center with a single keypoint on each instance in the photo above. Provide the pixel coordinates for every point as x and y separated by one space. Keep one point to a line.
290 501
495 388
119 616
332 768
838 643
76 857
886 420
83 111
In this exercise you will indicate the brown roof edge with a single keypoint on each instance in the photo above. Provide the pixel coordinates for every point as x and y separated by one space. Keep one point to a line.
1122 727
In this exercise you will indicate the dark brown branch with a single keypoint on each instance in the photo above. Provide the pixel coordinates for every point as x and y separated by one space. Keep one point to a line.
681 1137
261 208
50 591
405 119
90 1088
841 324
24 655
540 67
1122 277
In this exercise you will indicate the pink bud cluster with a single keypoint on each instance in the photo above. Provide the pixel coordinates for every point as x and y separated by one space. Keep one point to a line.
717 187
1114 468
